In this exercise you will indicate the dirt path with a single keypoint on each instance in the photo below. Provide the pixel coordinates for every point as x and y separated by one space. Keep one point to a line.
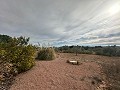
58 75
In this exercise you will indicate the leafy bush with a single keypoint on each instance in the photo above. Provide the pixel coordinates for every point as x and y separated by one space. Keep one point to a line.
18 52
46 54
22 57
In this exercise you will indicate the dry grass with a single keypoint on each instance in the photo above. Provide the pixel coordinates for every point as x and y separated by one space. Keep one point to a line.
112 71
46 54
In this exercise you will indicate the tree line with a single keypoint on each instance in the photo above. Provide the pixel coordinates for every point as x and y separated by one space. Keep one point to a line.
98 50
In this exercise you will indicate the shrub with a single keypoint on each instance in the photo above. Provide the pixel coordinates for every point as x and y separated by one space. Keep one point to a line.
46 54
22 57
98 51
18 53
16 56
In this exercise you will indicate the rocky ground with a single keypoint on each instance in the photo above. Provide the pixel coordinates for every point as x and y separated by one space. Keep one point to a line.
59 75
7 73
94 73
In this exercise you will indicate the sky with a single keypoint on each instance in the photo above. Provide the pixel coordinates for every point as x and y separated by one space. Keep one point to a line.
62 22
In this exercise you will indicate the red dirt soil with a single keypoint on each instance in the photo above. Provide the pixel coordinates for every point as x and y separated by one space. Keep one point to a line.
59 75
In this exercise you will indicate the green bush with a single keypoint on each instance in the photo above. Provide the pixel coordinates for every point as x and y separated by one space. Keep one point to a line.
19 53
46 54
22 57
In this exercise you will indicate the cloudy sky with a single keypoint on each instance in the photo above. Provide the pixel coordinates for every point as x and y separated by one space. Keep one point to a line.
62 22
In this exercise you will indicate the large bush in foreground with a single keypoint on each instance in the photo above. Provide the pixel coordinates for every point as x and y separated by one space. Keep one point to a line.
46 54
22 57
18 52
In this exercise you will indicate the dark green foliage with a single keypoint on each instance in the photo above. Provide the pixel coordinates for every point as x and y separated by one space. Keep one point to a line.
23 40
108 51
99 50
5 39
75 49
46 54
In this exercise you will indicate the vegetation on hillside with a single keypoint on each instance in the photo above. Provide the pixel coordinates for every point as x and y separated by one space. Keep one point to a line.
98 50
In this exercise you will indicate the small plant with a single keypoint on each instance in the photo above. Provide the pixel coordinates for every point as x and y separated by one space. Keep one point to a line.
46 54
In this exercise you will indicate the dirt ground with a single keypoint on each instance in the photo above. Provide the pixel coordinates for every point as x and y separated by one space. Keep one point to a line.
59 75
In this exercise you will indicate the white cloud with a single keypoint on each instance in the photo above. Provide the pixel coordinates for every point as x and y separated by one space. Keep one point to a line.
61 21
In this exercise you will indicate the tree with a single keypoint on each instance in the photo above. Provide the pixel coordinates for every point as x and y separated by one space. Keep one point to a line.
75 48
23 41
5 38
